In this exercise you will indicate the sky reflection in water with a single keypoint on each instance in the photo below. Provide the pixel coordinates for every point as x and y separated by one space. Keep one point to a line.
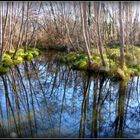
48 99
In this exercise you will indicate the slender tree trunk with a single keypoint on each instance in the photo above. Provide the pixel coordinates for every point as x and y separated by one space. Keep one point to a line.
121 34
99 33
3 27
53 13
127 26
10 26
26 37
20 31
84 26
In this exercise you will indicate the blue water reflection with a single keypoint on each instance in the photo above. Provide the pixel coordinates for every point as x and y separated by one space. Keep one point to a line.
44 98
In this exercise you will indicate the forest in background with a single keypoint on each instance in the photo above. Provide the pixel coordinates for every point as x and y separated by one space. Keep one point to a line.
89 27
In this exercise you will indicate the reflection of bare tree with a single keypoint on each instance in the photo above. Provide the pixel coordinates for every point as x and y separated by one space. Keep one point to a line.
27 101
63 98
9 102
94 111
84 108
16 99
31 95
98 100
48 97
119 121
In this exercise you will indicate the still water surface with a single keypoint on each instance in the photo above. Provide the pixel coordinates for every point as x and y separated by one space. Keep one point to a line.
44 98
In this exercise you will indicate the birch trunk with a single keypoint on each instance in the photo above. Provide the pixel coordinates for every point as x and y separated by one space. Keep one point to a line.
84 27
100 45
121 34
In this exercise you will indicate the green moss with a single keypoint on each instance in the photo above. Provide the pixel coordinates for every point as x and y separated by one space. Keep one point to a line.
82 64
115 56
17 60
134 68
34 52
96 59
6 56
131 64
134 71
6 60
37 50
120 73
20 52
28 56
74 57
112 66
112 44
78 60
129 57
75 65
3 70
70 57
126 71
123 73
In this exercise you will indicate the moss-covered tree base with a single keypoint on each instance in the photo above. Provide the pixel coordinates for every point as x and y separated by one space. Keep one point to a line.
131 67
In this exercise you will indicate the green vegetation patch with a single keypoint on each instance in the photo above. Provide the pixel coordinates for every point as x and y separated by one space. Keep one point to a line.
21 56
7 60
3 70
131 66
17 60
76 60
28 56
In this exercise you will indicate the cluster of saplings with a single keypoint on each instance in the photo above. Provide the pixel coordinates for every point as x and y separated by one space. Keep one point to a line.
8 60
131 67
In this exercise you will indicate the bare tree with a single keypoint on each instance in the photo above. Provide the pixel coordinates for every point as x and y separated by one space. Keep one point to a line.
121 17
4 19
20 31
100 45
84 26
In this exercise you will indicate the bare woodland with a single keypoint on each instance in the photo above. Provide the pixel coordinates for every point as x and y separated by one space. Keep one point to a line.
93 43
87 26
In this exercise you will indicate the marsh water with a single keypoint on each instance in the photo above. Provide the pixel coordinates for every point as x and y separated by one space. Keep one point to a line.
44 98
